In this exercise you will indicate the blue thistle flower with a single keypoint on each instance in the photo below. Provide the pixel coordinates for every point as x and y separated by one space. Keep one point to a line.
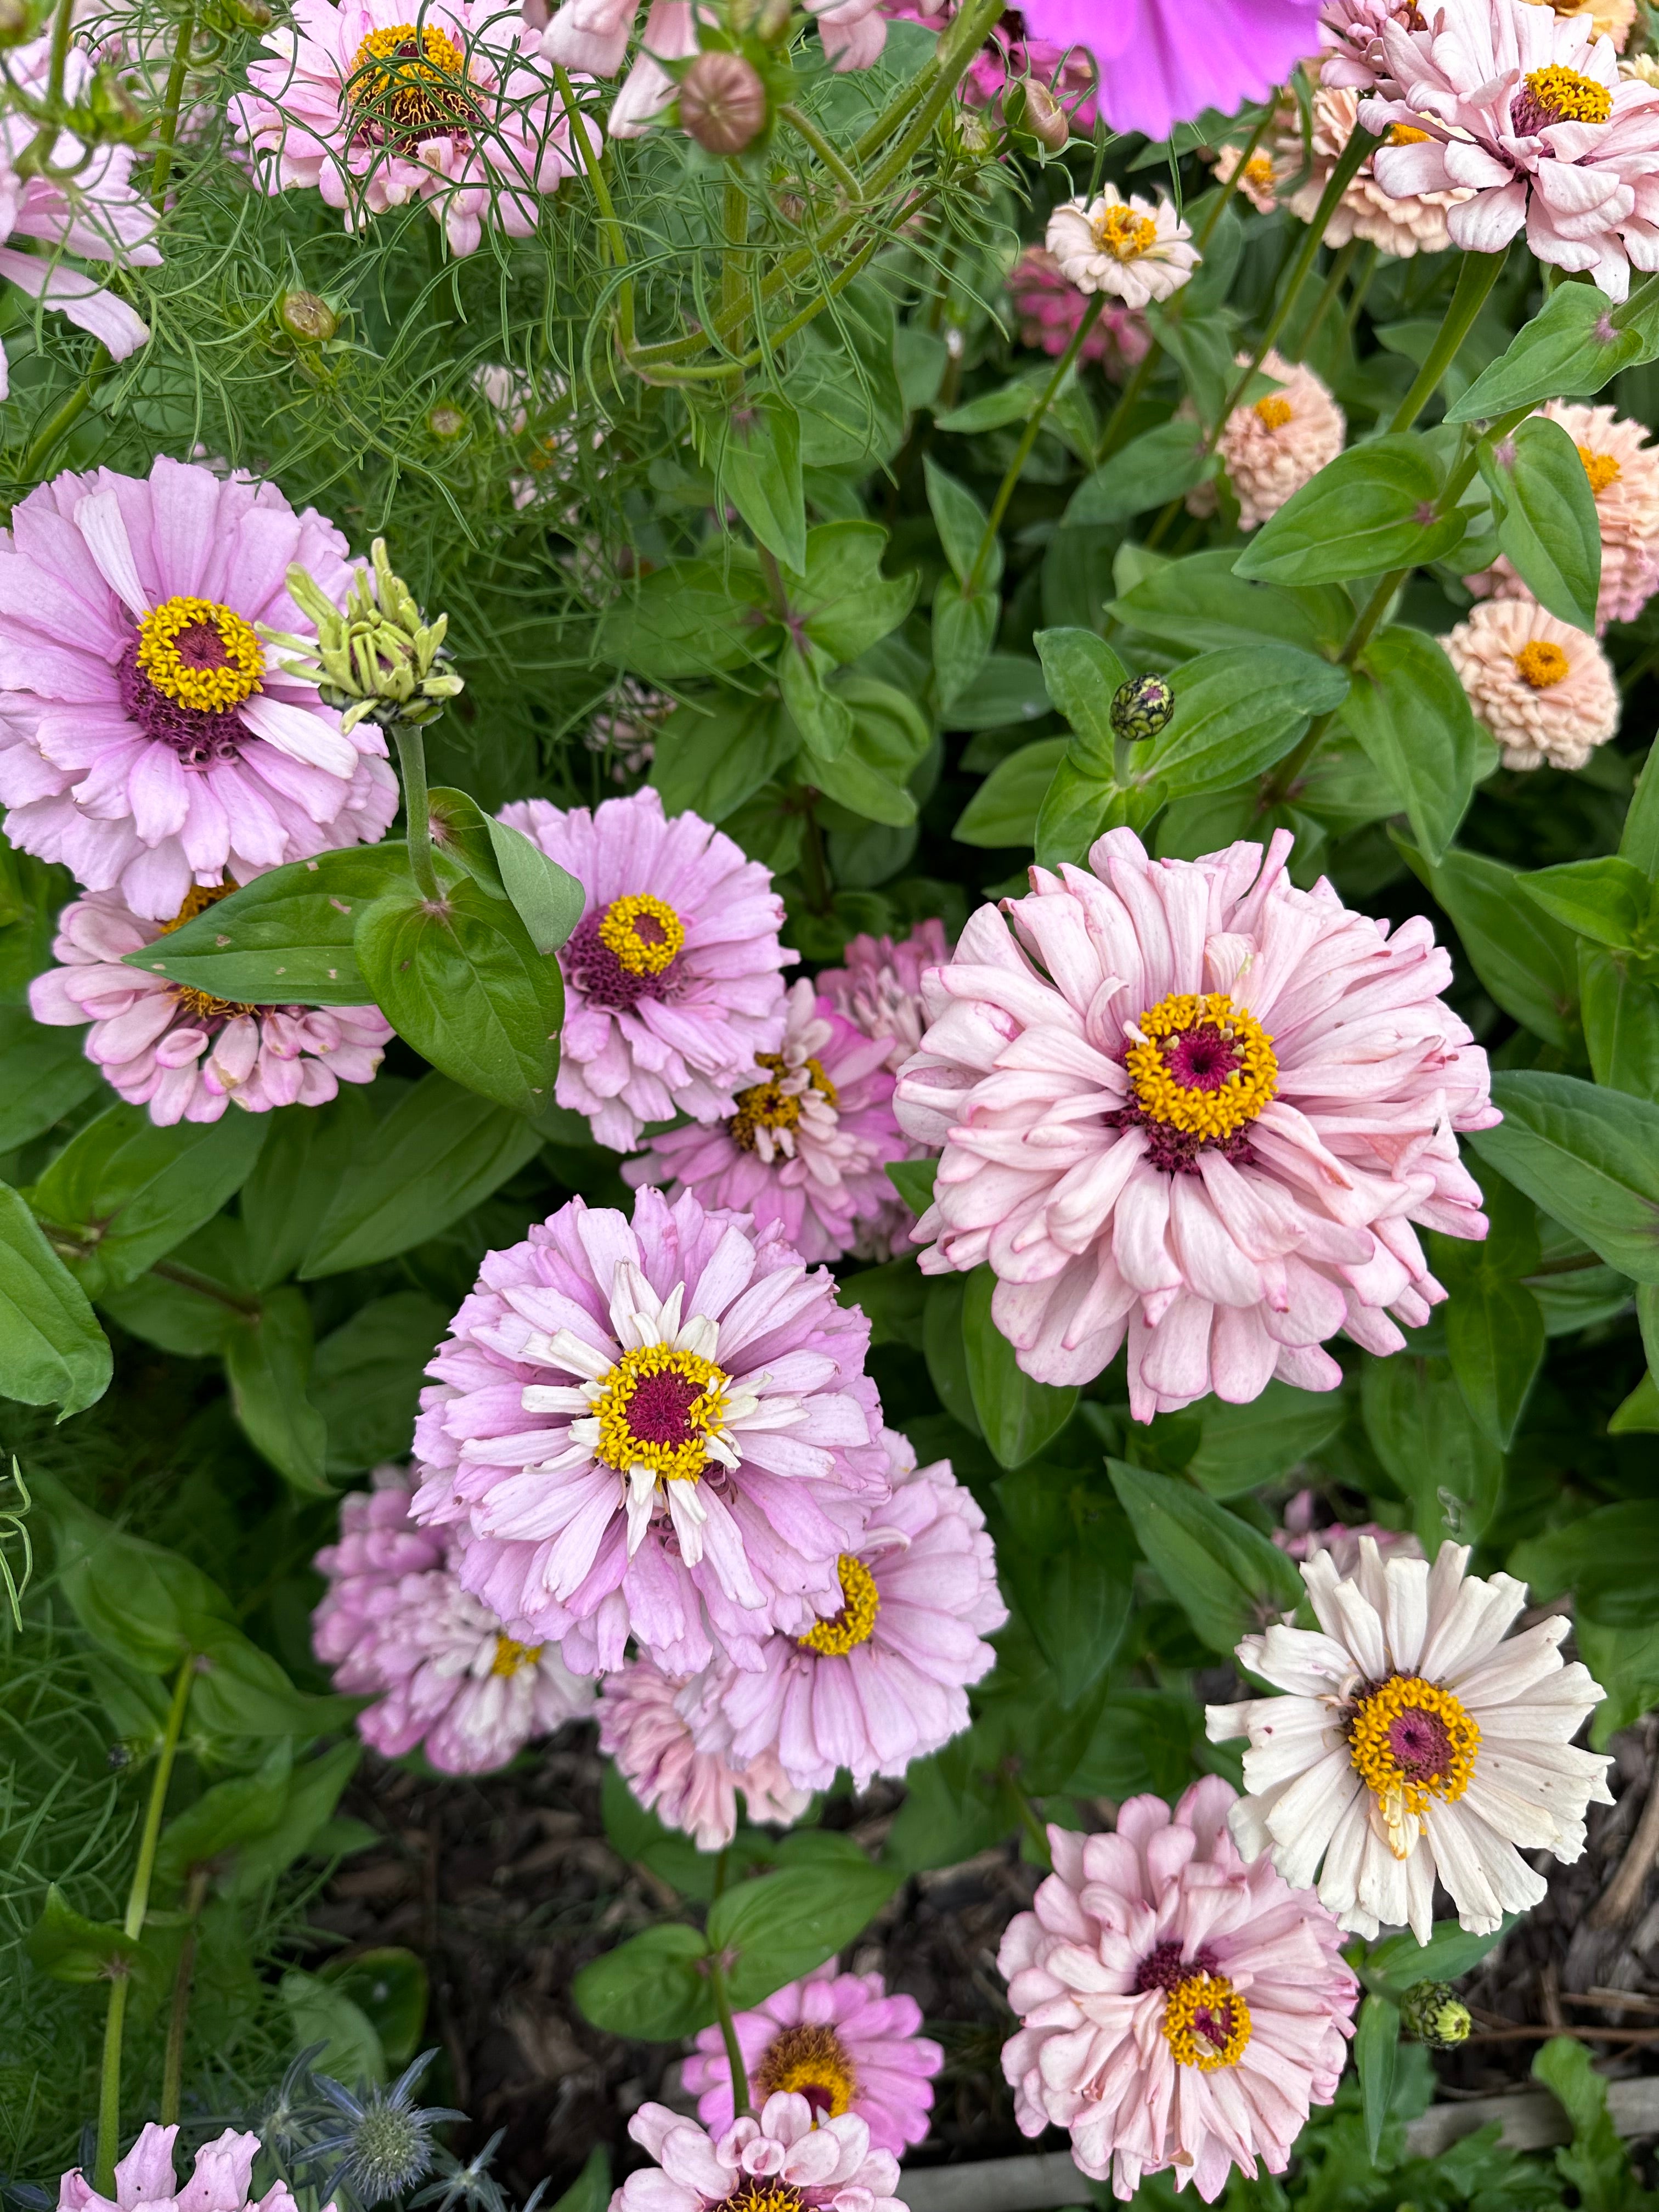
382 2139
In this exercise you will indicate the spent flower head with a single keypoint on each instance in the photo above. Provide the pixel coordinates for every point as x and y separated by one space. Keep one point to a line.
377 658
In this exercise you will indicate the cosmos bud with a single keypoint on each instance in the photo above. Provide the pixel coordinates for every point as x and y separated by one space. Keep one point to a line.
304 316
1031 107
1141 708
722 103
446 420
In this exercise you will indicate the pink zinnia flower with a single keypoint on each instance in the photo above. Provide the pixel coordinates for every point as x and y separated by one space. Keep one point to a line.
1181 2009
1164 62
1300 1539
144 2179
1396 224
806 1151
782 2162
181 1052
642 1728
840 2041
880 989
147 739
671 973
1545 691
1522 107
372 109
1183 1101
379 1544
1351 33
1050 308
661 1429
1274 445
1623 470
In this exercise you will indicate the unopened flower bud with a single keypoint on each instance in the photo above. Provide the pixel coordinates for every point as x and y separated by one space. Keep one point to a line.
1435 2013
446 420
973 134
304 316
1141 708
252 14
1042 115
111 108
722 103
16 23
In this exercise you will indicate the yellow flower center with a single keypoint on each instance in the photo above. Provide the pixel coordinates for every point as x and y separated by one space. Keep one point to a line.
1119 231
1410 1742
643 932
1275 410
1202 1065
201 654
769 1106
751 2196
409 78
1541 663
202 1003
811 2063
658 1409
1403 135
1207 2023
1601 469
511 1656
1560 95
1258 172
197 899
855 1623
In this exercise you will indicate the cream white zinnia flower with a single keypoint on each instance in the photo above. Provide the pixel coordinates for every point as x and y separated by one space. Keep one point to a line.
1414 1742
1131 248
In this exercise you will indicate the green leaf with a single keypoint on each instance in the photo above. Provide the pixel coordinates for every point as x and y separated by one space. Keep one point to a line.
141 1603
1199 603
1065 1558
1595 2163
692 618
841 600
1241 1446
1082 673
388 1985
1525 960
1004 810
914 1181
462 982
1547 520
66 1946
1638 840
1587 1157
1143 1740
1237 710
1449 1954
717 749
890 1298
1008 690
240 1690
652 1989
52 1351
1606 900
778 1928
321 2014
1412 715
1078 805
756 463
1368 511
367 1378
507 865
1423 1433
302 1826
1638 1414
439 1153
886 735
1560 351
1226 1576
945 1352
960 520
1162 465
844 382
1495 1341
268 1366
964 630
1016 1415
1376 2048
282 1203
44 1074
225 1816
823 721
285 939
1619 1009
994 409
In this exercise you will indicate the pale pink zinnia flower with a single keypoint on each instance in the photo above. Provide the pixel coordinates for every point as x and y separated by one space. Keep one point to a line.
1623 471
840 2041
782 2162
880 989
1181 2011
805 1152
661 1429
1133 249
179 1051
1397 224
671 975
1530 113
144 2179
1417 1740
1275 445
1351 33
1299 1538
642 1728
148 739
372 109
1050 308
1185 1102
1545 691
379 1544
883 1678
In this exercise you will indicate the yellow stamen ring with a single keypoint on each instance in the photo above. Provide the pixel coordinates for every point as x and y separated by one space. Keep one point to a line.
1564 96
1384 1724
1601 469
677 1421
1207 2023
1160 1068
1124 234
411 77
1542 663
1274 409
644 934
213 687
855 1623
769 1106
511 1656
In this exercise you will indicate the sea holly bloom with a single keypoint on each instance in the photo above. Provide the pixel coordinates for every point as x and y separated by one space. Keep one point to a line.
1181 2010
1049 310
782 2162
1271 447
1164 62
805 1150
181 1052
1623 470
1130 247
1184 1104
1417 1738
880 989
840 2041
148 739
145 2182
661 1428
671 975
1545 691
371 109
642 1728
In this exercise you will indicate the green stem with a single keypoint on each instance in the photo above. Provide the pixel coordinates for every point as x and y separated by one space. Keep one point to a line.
1139 380
172 2063
611 230
742 2108
1333 284
171 99
411 760
804 127
63 23
1475 278
734 225
58 425
1023 451
172 1271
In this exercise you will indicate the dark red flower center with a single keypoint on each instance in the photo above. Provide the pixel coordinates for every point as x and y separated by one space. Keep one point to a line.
1167 1967
1202 1059
659 1407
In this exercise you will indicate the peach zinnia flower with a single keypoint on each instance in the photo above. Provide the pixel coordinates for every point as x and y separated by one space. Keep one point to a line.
1603 19
1130 247
1275 445
1413 223
1623 474
1545 691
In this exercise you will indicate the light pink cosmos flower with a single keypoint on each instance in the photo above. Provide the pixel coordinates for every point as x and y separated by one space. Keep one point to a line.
1164 62
782 2162
1183 1103
1275 445
144 2180
1299 1538
87 211
147 739
840 2041
1181 2009
181 1052
1050 308
670 35
884 1679
642 1728
661 1429
1545 691
806 1151
880 989
1623 470
1521 107
372 109
671 975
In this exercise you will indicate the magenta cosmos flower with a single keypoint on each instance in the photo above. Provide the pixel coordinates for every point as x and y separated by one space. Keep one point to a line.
661 1429
806 1151
373 110
1518 105
144 2179
840 2041
671 973
883 1678
642 1728
1182 1102
181 1052
781 2162
147 739
1181 2009
1164 62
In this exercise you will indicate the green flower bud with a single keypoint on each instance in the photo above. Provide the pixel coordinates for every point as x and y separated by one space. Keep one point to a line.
16 23
446 420
304 316
722 103
376 657
1435 2013
1141 708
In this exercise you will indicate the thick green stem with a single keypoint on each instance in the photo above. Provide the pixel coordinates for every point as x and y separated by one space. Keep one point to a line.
58 424
1137 383
734 260
62 24
742 2108
172 2063
1475 278
172 101
804 127
1015 469
411 760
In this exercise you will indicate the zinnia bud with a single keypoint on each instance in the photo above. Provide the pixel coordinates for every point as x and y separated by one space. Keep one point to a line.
1435 2013
722 103
1141 708
303 315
